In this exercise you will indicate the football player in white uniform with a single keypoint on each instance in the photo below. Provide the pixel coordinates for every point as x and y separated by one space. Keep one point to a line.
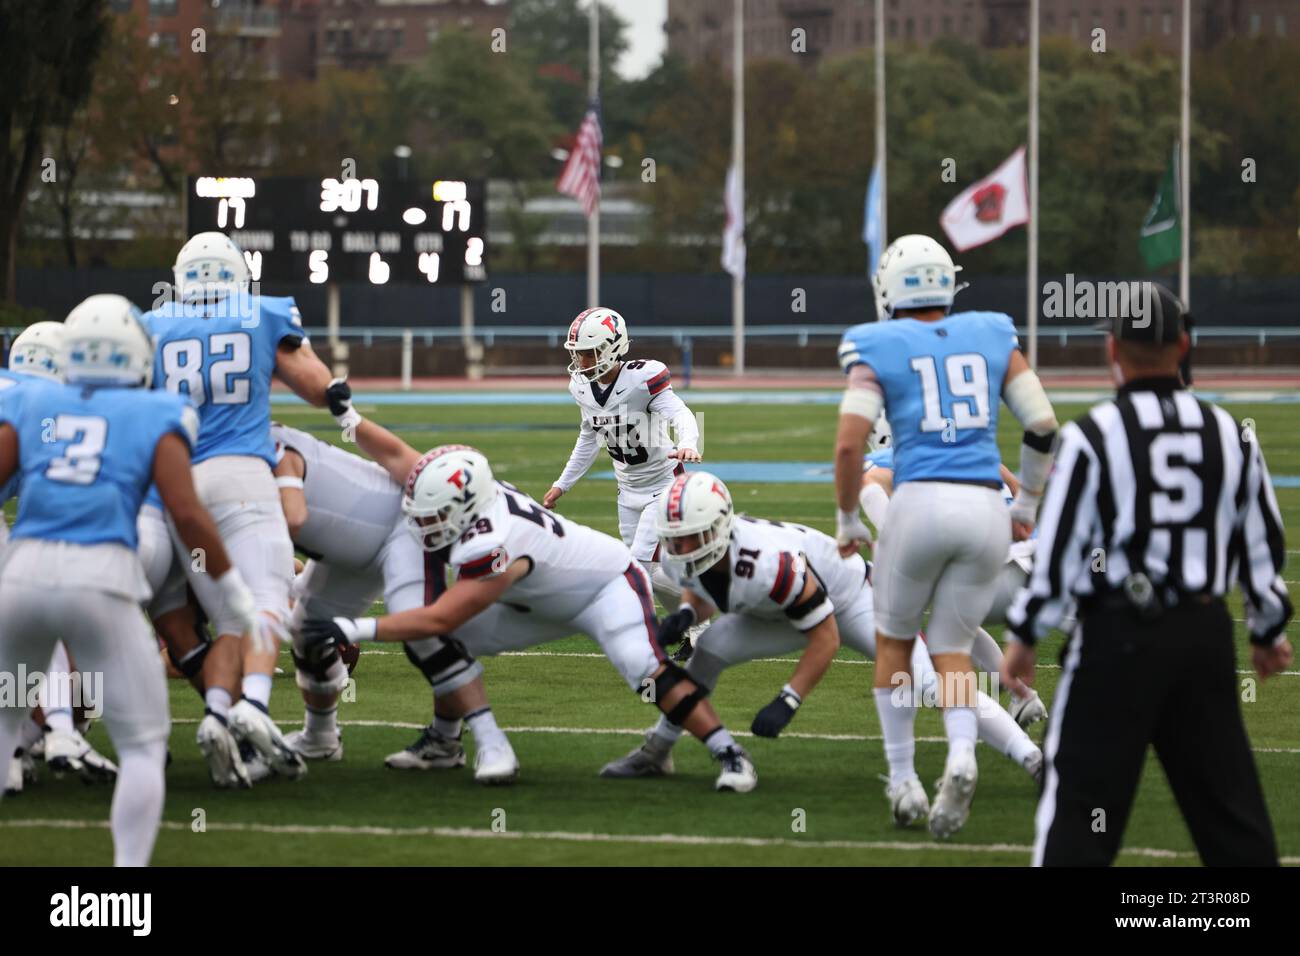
524 576
878 484
345 513
50 730
784 587
628 406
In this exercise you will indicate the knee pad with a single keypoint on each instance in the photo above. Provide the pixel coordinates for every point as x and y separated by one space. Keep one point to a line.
666 681
444 662
329 676
191 665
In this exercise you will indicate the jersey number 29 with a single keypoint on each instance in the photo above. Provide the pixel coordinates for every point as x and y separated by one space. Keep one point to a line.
968 384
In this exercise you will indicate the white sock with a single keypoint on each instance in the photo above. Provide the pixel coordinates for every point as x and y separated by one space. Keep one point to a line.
897 711
257 688
217 700
667 732
719 740
137 802
999 730
59 719
448 727
321 723
962 727
483 725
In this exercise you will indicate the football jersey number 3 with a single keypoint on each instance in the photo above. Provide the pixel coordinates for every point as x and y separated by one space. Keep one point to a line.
968 384
80 462
227 375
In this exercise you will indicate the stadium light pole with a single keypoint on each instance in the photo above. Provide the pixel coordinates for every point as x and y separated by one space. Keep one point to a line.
1032 266
881 174
1185 164
593 221
738 161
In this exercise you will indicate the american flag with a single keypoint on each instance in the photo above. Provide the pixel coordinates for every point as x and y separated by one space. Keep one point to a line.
581 175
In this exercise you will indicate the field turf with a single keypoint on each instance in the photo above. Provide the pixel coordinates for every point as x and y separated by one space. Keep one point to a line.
819 799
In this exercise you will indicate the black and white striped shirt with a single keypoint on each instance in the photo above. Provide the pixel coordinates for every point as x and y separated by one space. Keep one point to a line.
1157 481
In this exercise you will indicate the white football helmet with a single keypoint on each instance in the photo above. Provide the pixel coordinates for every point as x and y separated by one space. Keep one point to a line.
445 493
603 330
38 351
915 272
696 503
882 436
106 343
210 266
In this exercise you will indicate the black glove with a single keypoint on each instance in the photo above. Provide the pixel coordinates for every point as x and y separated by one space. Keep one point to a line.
322 639
673 628
339 396
771 720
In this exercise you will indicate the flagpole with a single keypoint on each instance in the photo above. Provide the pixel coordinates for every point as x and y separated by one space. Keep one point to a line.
1032 304
883 214
1185 165
738 161
593 221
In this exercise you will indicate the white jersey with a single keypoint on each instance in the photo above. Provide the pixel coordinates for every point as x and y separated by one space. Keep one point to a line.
352 503
769 562
571 562
631 418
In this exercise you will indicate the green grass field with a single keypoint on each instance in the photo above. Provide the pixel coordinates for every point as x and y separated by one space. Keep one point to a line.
568 712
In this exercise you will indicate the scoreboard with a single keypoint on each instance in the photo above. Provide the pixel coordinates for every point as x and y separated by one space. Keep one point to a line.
292 228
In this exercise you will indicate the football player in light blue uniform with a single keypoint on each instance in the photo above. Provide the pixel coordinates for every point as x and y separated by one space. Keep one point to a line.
86 451
940 378
878 484
219 346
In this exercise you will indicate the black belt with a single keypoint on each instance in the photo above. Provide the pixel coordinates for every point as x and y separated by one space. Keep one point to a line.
995 485
1149 601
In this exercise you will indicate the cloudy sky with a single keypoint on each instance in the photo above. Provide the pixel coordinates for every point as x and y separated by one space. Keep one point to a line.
646 34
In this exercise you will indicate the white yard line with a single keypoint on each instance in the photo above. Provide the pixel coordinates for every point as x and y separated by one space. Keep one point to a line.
566 836
640 732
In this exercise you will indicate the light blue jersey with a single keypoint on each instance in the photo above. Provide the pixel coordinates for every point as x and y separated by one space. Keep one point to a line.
85 457
881 458
942 383
9 380
223 358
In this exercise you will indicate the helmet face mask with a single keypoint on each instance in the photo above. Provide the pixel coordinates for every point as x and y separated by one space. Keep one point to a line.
105 343
445 493
915 272
694 521
601 333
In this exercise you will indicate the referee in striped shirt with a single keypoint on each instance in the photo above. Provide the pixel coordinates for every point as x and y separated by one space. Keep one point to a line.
1157 504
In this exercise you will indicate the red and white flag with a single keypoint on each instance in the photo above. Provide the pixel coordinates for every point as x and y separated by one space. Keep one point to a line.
580 177
988 208
733 234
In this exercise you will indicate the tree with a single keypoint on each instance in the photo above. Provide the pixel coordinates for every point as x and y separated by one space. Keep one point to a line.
48 52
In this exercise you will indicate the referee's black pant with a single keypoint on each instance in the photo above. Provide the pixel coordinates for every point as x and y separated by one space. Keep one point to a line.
1171 684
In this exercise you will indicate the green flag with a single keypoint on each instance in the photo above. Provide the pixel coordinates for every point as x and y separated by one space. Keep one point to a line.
1161 239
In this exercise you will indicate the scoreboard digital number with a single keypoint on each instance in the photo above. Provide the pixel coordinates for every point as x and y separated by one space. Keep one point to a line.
359 230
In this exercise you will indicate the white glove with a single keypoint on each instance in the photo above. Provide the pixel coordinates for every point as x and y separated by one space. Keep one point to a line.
849 528
240 602
1024 506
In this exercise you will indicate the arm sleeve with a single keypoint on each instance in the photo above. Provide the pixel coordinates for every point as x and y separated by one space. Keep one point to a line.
685 430
1261 554
1066 527
580 459
786 592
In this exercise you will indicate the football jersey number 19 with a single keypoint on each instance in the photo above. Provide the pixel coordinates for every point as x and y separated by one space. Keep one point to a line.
968 384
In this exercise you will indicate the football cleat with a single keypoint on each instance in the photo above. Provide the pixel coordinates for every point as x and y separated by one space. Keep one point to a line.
1034 766
66 751
217 743
908 802
954 792
316 748
17 774
654 758
431 751
496 765
1028 711
738 773
258 769
253 724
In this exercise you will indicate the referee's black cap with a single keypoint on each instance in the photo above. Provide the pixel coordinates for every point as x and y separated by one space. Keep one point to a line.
1150 313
